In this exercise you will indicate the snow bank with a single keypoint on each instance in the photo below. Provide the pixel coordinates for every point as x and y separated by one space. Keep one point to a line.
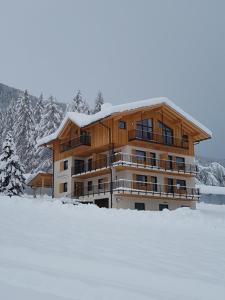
215 190
108 109
62 252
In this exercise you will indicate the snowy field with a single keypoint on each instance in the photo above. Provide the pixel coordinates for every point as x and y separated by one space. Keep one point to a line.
53 251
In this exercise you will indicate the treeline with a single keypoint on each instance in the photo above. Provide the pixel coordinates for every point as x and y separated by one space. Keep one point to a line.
27 122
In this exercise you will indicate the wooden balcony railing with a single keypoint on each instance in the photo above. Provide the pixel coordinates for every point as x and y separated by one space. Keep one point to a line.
124 186
76 142
124 159
148 136
145 162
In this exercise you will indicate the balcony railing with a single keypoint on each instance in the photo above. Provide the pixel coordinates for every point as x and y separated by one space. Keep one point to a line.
124 159
145 162
76 142
124 186
148 136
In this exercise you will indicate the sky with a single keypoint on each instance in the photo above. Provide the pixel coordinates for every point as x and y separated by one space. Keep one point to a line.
129 49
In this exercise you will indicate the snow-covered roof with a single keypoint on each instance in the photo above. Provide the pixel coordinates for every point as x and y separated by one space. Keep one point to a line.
108 109
30 177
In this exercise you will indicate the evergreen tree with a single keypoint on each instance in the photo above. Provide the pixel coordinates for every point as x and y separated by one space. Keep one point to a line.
38 110
51 118
98 102
50 122
11 171
24 132
1 130
79 104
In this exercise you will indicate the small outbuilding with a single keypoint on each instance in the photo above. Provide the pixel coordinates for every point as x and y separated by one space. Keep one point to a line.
41 183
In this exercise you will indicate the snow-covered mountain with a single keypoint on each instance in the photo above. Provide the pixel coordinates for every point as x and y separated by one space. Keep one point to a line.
212 173
8 94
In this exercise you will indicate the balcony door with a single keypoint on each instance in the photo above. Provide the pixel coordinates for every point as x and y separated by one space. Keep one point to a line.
79 166
167 133
144 129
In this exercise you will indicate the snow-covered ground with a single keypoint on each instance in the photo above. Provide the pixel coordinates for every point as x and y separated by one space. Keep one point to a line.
53 251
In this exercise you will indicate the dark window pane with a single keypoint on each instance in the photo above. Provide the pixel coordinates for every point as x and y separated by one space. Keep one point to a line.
122 125
140 206
65 164
141 156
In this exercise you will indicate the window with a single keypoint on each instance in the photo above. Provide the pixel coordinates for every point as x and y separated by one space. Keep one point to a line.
140 156
89 164
65 165
144 129
153 159
141 178
185 140
65 187
180 162
154 183
170 187
170 162
163 206
139 206
167 133
100 184
181 184
90 186
79 166
122 125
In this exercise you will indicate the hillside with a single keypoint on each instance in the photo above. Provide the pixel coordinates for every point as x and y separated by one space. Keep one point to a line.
63 252
7 94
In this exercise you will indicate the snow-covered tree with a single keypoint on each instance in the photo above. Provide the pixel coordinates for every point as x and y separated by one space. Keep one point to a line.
38 110
11 171
98 102
1 129
24 132
213 174
79 104
51 119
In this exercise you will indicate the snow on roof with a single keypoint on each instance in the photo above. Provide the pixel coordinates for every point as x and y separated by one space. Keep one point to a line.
30 177
108 109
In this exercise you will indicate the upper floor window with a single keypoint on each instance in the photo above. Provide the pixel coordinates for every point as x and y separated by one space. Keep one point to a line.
122 124
181 184
65 165
100 183
140 156
153 158
167 133
144 129
180 161
141 178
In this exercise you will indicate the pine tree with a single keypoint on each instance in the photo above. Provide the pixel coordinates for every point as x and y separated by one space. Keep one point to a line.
98 102
1 130
24 132
50 122
38 110
11 171
51 118
79 104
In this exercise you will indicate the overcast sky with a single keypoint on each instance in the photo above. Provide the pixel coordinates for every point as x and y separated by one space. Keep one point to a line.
130 50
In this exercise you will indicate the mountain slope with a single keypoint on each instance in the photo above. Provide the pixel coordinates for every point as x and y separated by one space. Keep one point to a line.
7 94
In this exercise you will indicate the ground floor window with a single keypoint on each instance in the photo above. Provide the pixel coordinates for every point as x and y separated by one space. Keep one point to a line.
89 186
139 206
163 206
65 187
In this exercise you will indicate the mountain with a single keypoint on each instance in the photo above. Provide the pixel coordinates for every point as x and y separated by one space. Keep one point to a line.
7 94
206 161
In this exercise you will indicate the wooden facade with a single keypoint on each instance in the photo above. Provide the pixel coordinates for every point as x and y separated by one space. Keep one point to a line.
95 143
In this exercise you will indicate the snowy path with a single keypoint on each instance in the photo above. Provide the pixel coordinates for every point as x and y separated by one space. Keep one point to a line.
53 251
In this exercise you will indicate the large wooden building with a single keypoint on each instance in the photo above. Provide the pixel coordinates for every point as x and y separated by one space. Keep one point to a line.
138 155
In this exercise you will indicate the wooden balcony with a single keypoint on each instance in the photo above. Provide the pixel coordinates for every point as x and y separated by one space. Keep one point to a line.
151 137
82 140
124 160
137 188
